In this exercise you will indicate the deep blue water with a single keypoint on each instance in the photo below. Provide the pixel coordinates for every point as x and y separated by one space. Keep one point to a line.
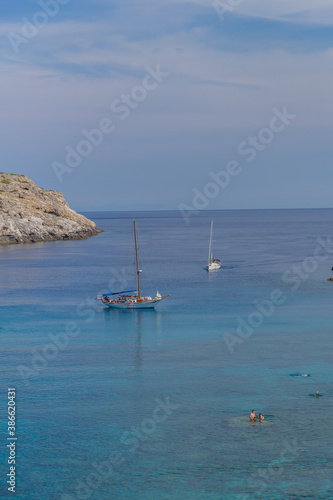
154 405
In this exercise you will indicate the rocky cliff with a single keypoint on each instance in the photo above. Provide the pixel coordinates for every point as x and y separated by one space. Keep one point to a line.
28 213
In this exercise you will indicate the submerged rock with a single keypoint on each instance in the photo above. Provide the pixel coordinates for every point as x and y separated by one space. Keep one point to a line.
29 214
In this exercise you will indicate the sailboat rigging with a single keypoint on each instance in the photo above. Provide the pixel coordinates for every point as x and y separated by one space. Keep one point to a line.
213 264
131 299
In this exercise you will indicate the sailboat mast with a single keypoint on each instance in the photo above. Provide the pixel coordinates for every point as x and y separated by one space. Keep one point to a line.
137 260
210 253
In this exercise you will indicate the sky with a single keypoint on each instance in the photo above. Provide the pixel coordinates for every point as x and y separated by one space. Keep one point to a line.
169 104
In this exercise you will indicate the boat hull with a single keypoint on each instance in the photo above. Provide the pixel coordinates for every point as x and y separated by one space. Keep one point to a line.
147 304
214 266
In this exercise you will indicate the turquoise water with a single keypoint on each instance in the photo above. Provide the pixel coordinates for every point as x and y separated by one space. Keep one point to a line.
154 405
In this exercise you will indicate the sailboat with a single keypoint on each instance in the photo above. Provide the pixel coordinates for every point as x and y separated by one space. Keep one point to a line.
131 299
213 264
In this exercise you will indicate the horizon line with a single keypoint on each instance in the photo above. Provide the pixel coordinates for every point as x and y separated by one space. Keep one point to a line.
205 210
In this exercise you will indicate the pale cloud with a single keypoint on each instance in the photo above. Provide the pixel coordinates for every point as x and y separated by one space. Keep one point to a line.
298 11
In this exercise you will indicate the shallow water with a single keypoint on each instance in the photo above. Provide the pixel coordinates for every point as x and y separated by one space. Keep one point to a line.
153 404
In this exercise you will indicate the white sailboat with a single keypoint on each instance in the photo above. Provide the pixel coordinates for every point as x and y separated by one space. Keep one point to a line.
213 264
131 299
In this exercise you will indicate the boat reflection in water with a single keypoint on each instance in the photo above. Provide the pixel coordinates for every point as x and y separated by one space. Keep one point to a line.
140 331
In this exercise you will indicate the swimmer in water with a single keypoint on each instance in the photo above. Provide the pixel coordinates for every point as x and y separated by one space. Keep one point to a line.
253 415
261 417
305 375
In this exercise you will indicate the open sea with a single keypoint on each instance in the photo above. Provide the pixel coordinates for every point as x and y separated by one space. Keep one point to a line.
154 405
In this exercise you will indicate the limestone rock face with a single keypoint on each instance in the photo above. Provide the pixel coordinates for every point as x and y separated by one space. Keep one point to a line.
28 214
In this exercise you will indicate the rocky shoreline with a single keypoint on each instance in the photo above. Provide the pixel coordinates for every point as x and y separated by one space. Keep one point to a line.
29 214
